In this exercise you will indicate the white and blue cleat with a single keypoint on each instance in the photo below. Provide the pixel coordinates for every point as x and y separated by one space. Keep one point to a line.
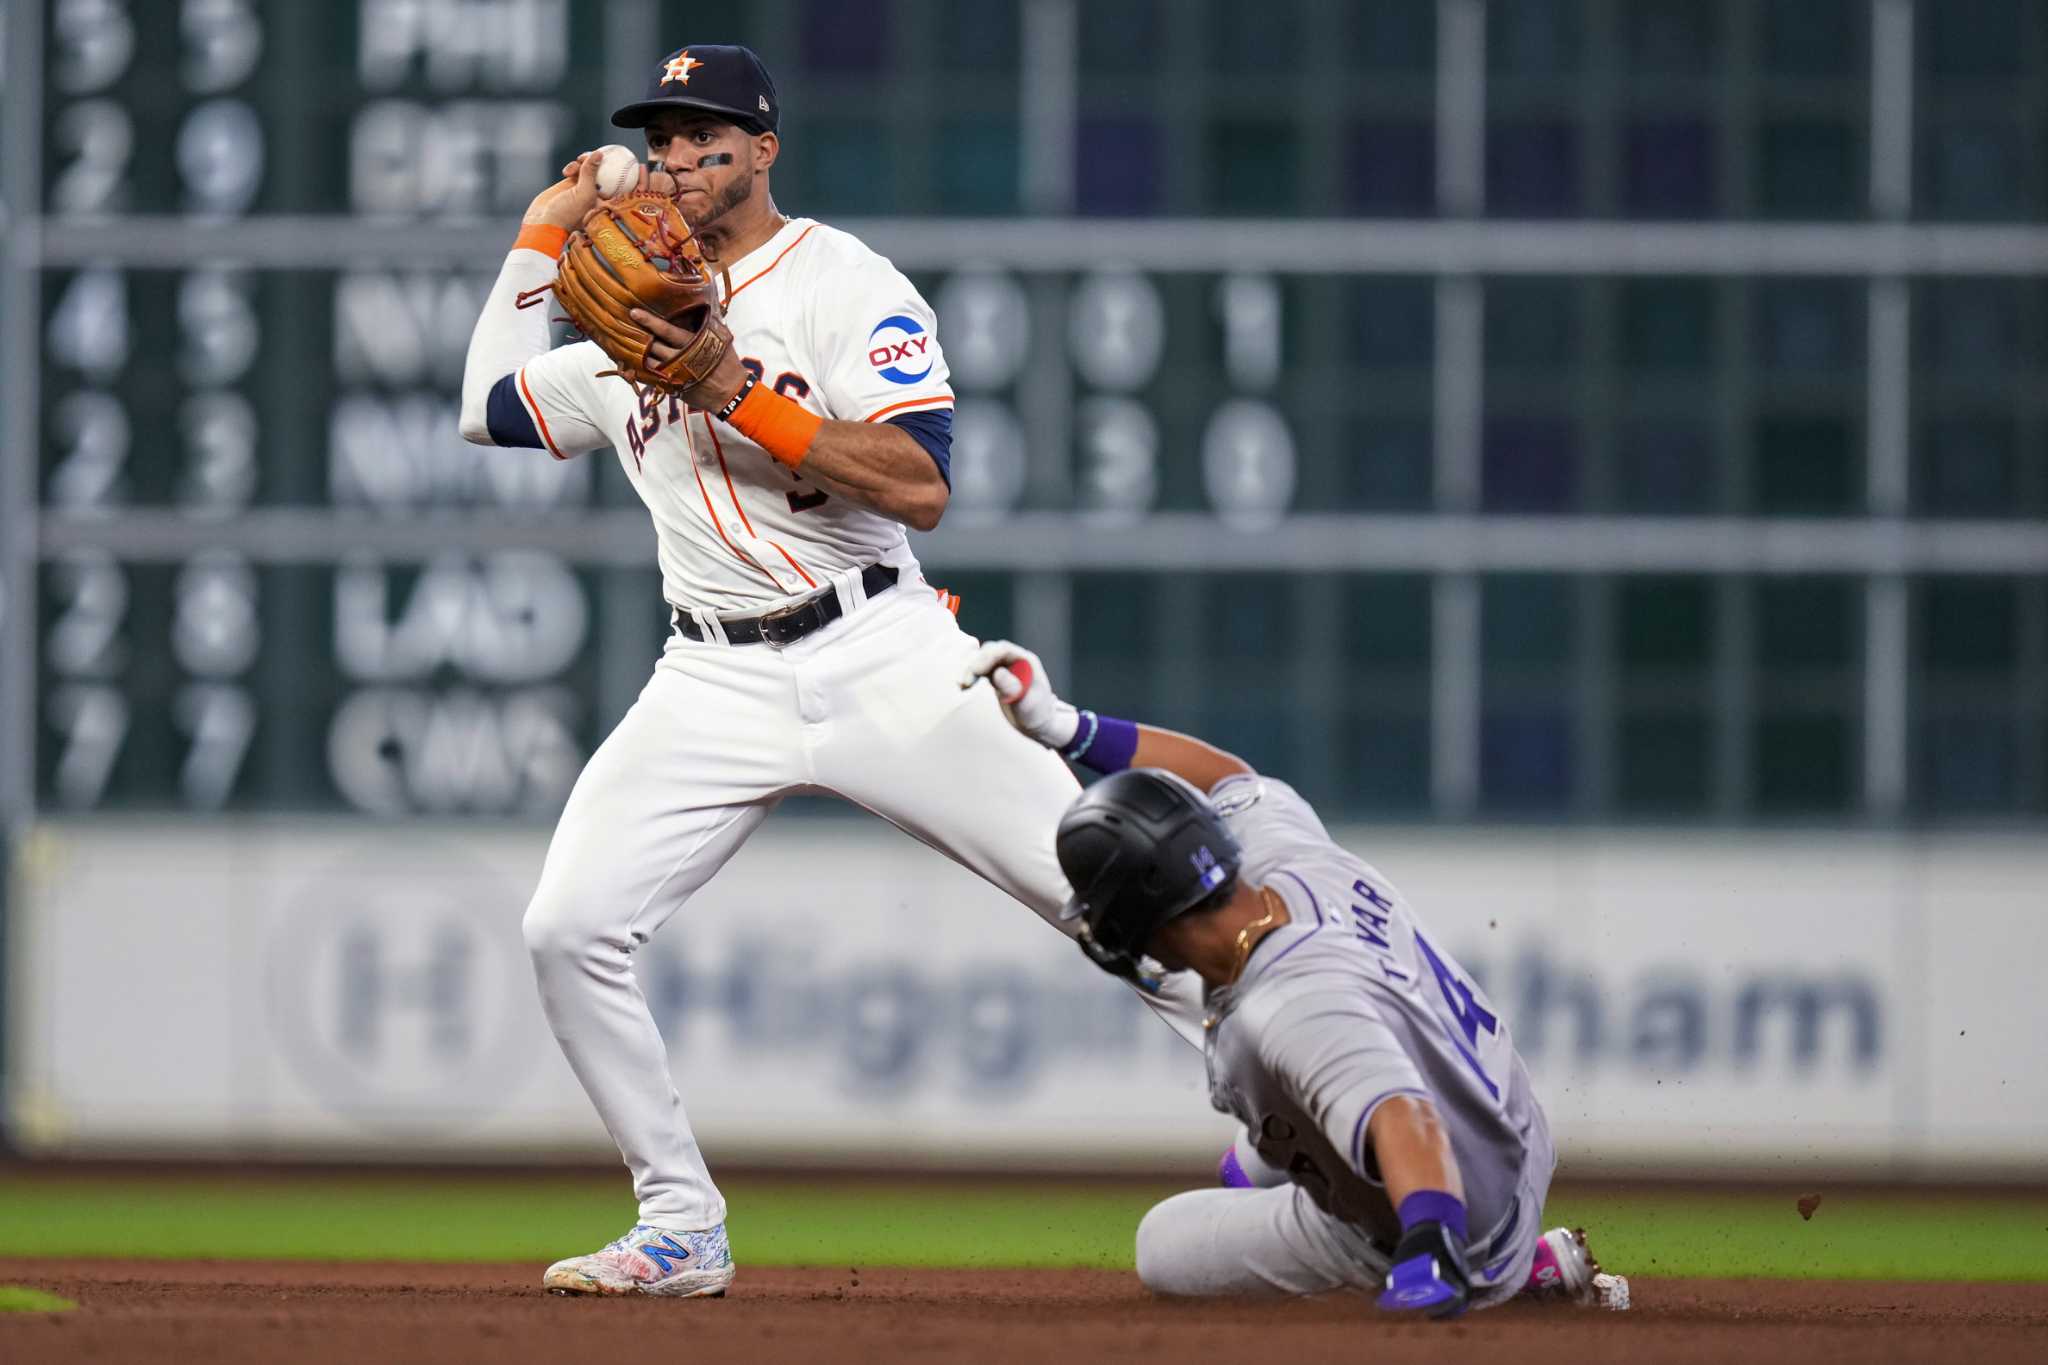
650 1260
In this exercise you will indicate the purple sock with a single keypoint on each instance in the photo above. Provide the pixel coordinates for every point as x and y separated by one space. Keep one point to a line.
1434 1206
1103 743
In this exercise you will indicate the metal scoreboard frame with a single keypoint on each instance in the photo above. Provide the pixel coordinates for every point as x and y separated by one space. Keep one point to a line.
20 371
20 346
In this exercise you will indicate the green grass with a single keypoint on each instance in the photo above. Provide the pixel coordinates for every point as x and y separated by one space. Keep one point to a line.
19 1298
482 1218
1857 1233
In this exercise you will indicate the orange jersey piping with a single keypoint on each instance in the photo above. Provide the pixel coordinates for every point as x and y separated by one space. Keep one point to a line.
718 447
909 403
770 266
539 419
712 513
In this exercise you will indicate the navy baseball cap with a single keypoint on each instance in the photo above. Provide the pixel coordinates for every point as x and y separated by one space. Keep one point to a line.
716 78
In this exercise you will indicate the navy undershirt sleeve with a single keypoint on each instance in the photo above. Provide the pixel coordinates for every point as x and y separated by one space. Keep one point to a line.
932 429
507 418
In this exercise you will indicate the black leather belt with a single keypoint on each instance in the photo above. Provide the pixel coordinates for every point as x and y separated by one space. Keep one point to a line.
787 625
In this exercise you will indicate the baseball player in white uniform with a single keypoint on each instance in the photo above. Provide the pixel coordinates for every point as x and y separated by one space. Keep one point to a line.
1401 1143
807 655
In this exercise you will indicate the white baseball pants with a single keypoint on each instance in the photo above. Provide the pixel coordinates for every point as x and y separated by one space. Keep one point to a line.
869 708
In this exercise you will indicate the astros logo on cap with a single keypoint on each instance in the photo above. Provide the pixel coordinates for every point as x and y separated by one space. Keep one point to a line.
679 68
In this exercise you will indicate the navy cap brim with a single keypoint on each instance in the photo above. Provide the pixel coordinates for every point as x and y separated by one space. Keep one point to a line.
641 113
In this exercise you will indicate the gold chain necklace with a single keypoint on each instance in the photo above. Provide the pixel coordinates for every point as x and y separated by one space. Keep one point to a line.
1245 936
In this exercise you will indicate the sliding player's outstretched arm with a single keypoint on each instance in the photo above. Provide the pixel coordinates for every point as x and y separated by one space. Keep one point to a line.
1413 1148
1345 1069
1103 743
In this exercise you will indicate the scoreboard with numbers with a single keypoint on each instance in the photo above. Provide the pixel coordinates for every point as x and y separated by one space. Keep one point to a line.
219 678
1403 504
203 384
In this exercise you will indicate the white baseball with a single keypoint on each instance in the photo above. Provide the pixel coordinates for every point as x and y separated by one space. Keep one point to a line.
618 171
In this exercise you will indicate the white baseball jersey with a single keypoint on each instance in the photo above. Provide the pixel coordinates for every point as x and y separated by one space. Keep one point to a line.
822 320
1351 1002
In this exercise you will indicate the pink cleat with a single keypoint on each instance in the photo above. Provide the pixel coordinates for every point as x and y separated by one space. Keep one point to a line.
1566 1271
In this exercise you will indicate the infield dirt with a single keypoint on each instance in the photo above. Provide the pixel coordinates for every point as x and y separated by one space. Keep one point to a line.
312 1313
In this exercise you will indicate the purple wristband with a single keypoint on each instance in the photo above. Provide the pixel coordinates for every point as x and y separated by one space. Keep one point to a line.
1434 1206
1103 743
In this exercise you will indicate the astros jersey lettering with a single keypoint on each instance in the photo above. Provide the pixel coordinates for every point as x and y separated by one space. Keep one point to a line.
1351 1002
823 321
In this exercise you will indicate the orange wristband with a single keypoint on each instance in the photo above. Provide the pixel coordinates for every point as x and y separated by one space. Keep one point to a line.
545 238
776 424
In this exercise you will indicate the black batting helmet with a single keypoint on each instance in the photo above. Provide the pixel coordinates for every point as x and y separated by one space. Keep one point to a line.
1140 847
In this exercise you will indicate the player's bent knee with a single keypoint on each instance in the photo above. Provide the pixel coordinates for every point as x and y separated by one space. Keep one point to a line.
1151 1264
1162 1251
543 932
554 932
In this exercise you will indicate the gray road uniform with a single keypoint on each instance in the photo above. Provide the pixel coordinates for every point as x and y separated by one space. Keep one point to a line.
1349 1003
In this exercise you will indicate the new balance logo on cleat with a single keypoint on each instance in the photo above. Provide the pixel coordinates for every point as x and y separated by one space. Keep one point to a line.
649 1260
665 1253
